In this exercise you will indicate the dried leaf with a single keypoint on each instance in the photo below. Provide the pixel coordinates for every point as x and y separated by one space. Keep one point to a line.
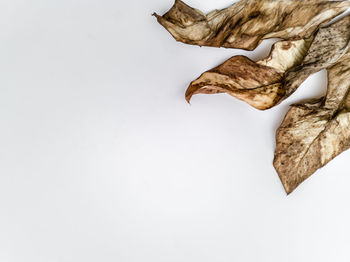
246 23
257 83
315 132
265 83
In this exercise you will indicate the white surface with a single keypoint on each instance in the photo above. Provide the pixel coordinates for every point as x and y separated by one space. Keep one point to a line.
101 158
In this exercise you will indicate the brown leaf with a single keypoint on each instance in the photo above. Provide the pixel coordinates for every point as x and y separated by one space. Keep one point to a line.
315 132
257 83
265 83
246 23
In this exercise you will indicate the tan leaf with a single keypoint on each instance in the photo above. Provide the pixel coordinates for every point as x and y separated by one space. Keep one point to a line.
265 83
315 132
246 23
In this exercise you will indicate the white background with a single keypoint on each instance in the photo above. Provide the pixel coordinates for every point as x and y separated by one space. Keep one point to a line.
102 159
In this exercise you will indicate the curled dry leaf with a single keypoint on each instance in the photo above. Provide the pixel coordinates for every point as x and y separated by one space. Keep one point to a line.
315 132
265 83
246 23
312 133
257 83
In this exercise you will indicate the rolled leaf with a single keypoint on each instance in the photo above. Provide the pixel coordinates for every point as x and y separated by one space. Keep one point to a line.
246 23
257 83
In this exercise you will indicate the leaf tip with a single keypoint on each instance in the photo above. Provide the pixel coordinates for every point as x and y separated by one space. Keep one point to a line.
156 15
189 93
188 99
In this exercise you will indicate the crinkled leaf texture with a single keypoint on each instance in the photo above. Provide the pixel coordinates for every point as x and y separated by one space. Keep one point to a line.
312 133
315 132
265 83
246 23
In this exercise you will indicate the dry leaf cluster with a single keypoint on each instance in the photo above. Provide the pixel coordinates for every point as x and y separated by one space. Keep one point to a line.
312 133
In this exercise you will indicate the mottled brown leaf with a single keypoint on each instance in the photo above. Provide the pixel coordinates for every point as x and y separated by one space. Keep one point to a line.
315 132
246 23
257 83
265 83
